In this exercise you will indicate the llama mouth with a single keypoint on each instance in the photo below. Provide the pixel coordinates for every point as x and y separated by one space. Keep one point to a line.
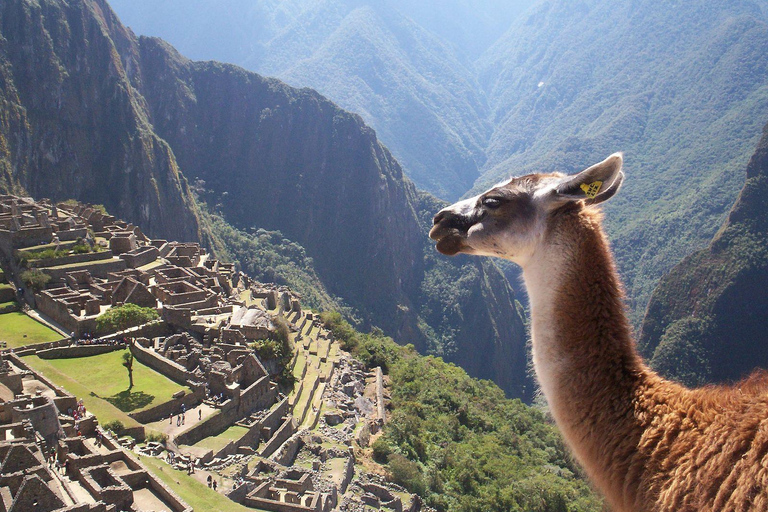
450 240
450 245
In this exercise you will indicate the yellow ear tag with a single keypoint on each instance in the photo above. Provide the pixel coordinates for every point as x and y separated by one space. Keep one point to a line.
592 189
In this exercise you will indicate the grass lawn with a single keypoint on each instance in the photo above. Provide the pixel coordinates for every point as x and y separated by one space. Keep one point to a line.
96 263
18 329
195 493
102 382
152 264
103 410
218 442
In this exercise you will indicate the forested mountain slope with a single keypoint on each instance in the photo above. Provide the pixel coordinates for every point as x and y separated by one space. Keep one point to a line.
481 86
93 112
706 321
680 87
406 67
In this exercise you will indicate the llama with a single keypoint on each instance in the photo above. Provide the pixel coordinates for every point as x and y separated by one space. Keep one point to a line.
648 444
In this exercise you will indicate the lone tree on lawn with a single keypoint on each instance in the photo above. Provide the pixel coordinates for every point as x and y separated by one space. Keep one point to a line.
128 363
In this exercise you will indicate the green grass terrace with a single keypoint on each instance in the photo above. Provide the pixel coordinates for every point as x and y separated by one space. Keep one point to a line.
218 442
102 383
18 329
190 489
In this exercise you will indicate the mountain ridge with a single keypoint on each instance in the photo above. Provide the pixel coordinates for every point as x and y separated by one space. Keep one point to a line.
258 153
705 320
677 87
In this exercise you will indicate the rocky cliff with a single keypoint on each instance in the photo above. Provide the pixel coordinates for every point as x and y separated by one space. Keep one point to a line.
71 124
92 112
706 319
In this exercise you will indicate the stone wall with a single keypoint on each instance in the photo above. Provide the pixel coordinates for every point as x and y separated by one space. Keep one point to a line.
173 406
287 452
71 259
170 369
211 426
282 434
154 329
259 395
274 419
61 314
250 438
77 351
140 256
72 234
97 269
349 473
178 316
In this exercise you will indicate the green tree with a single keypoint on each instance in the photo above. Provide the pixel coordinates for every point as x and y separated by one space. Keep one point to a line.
35 279
122 317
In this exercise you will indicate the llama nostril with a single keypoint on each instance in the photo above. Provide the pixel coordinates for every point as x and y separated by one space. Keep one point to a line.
440 216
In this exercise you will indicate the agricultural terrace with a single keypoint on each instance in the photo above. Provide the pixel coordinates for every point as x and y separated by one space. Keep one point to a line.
18 329
102 383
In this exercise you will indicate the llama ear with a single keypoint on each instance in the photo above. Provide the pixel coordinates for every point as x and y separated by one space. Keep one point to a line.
595 184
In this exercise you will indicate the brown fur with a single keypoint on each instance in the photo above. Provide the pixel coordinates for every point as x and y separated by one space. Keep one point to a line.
648 444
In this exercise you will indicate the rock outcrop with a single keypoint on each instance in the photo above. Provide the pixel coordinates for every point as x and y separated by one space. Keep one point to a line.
72 124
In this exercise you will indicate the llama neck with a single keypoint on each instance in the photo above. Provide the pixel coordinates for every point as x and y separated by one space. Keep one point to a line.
583 351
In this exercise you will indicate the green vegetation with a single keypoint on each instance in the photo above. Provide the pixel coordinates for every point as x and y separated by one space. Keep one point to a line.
679 90
35 279
270 257
122 317
70 380
216 443
95 380
192 491
52 252
280 348
459 443
8 307
18 329
705 322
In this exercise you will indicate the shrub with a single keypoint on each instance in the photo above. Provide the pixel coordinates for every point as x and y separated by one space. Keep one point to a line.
156 437
81 249
406 473
35 279
381 450
115 426
123 317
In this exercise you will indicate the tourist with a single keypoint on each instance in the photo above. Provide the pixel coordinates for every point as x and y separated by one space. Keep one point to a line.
200 414
214 485
178 420
210 479
170 418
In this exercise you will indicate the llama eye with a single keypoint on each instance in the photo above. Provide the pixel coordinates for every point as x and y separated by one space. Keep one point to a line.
491 202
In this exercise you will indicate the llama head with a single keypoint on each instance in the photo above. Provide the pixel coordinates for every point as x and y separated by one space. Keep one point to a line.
510 219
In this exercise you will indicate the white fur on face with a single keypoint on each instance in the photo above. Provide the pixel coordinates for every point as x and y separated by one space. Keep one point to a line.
511 230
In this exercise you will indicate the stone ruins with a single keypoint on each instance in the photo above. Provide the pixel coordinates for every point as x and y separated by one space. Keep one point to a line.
238 425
